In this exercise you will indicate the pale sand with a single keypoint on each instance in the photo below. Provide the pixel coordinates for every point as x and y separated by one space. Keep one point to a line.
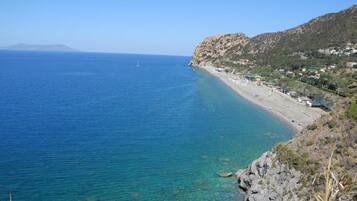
288 109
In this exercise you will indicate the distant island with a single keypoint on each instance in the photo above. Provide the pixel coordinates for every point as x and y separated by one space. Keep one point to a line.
47 48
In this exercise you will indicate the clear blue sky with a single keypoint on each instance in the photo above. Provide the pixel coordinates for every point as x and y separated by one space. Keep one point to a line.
149 26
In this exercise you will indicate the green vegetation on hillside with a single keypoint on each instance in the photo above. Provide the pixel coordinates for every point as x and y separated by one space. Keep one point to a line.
300 162
321 53
352 109
315 63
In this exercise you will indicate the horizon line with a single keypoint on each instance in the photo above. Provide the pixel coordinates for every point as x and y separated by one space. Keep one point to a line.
99 52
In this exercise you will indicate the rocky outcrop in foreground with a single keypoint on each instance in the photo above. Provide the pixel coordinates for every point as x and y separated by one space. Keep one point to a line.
268 179
297 169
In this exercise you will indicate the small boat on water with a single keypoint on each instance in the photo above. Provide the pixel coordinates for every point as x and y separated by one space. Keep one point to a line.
137 64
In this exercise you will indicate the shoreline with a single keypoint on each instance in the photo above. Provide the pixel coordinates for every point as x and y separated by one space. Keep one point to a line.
280 105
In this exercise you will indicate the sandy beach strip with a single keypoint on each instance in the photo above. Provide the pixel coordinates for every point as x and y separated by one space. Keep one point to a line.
282 105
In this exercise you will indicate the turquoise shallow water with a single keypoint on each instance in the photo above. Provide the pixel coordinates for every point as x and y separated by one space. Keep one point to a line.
86 126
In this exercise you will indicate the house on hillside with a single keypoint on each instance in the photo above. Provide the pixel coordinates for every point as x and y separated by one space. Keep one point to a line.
320 102
219 69
305 100
293 94
253 77
285 89
313 70
333 66
249 77
351 64
290 74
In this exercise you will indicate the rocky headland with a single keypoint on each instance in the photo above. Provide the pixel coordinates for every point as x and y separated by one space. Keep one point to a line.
213 48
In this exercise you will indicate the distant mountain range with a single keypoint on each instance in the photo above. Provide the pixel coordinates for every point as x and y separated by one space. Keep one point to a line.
49 48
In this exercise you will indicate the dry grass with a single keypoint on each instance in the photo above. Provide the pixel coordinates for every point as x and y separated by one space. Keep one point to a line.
333 186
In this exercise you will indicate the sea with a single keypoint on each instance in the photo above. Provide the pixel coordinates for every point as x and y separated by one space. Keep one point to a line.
102 126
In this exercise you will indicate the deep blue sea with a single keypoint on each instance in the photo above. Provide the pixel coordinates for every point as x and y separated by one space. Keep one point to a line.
90 126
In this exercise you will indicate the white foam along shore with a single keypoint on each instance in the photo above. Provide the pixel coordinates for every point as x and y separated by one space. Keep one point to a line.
298 115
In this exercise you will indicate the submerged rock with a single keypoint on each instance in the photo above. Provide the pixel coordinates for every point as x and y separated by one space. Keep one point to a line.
225 174
224 161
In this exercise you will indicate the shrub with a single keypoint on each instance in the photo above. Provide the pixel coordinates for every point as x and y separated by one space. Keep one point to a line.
312 127
331 124
309 143
294 160
352 109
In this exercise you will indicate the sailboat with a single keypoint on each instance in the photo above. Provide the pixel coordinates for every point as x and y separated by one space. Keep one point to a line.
137 64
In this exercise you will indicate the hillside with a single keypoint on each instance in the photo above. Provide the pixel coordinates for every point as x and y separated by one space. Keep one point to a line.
315 59
295 170
331 31
321 53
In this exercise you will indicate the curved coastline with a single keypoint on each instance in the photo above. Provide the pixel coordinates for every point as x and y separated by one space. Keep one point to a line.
280 105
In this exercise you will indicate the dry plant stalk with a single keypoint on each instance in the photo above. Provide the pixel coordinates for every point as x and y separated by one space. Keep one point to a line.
332 185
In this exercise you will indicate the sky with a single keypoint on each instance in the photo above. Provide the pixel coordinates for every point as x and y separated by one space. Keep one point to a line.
172 27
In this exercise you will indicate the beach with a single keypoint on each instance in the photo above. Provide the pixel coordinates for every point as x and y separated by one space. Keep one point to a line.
282 105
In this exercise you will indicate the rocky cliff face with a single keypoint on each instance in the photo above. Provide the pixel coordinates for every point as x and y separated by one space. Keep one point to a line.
269 179
212 50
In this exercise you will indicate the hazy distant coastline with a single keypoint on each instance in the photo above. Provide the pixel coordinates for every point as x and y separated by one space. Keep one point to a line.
48 48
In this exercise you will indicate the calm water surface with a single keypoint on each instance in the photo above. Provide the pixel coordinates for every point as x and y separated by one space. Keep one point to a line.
87 126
